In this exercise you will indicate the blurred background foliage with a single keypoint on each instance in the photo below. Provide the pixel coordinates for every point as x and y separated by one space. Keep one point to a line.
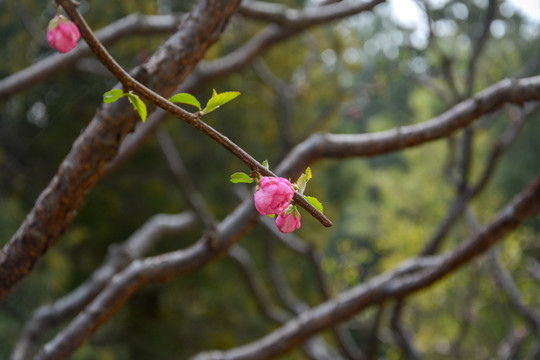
364 74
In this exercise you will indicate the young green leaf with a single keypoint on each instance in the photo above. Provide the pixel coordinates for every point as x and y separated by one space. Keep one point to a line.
113 95
302 181
138 105
316 203
185 98
308 174
241 177
219 99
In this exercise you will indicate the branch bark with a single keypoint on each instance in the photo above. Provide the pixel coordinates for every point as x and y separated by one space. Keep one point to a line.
407 278
98 144
459 116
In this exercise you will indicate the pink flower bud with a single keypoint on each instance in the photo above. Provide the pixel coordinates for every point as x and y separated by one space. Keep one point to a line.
273 196
62 34
287 223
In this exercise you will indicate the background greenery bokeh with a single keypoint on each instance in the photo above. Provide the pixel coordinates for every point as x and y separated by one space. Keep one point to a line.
384 208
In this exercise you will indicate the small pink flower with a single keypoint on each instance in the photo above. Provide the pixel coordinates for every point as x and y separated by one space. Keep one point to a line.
62 34
273 196
287 223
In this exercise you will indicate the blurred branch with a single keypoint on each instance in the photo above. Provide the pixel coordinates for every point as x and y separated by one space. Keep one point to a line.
181 174
401 335
348 347
459 116
119 256
511 345
29 24
244 261
505 282
407 278
373 339
133 24
288 17
285 97
478 47
465 192
534 268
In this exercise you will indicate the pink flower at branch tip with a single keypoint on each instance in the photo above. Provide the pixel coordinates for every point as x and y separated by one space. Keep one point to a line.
287 223
62 34
273 195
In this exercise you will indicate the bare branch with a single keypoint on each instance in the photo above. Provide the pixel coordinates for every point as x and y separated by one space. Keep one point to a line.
504 280
348 347
130 25
510 346
306 17
409 277
181 174
479 47
119 256
401 335
457 117
243 259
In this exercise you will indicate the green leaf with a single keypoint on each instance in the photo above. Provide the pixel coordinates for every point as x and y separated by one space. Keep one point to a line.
301 183
138 105
308 174
113 95
219 99
241 177
316 203
265 164
185 98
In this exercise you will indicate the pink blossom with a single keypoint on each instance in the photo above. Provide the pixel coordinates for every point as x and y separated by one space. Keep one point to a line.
62 34
287 223
273 196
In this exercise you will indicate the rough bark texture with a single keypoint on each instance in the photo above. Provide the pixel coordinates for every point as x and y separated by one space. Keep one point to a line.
98 144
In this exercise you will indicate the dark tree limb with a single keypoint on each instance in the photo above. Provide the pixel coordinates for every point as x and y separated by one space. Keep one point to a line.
407 278
243 259
119 256
478 47
505 282
98 144
348 347
457 117
401 334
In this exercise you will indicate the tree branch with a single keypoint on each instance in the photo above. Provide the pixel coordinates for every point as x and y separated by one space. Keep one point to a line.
133 24
459 116
119 256
407 278
98 144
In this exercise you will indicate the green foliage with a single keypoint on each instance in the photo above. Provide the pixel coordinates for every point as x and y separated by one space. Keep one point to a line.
185 98
115 94
241 177
384 209
315 202
138 105
218 100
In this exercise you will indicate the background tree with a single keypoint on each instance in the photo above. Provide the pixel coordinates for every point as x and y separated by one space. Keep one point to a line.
422 142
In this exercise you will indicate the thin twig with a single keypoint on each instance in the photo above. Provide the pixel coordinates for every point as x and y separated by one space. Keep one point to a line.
130 83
